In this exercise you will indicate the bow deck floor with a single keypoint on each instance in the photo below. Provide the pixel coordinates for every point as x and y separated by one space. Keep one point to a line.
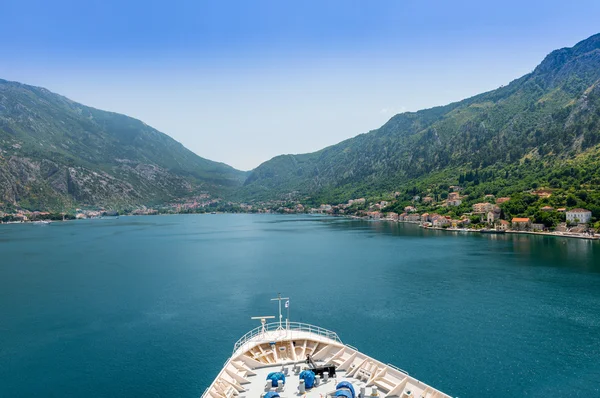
256 355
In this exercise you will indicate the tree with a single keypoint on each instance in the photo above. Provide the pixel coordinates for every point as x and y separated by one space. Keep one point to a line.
582 195
475 219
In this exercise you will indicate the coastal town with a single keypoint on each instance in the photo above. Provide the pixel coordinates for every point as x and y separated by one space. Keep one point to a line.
486 216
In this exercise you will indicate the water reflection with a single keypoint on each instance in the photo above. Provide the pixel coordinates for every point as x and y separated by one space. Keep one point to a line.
530 250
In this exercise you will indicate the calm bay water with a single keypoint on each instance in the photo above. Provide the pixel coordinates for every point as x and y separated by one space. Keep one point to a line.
151 306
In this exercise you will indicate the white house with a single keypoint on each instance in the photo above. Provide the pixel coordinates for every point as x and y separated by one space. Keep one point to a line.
412 218
579 215
483 207
440 221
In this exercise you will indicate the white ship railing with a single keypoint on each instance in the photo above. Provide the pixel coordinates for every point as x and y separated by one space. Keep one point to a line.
397 368
291 326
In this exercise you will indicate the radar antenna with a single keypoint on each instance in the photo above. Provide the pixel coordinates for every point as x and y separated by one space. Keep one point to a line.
263 321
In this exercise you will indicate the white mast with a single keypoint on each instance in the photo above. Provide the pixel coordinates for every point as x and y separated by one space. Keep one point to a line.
287 320
279 298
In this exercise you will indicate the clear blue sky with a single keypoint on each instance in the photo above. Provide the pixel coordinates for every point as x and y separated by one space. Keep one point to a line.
243 81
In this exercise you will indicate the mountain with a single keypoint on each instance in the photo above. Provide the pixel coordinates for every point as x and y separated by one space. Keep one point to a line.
551 115
542 129
56 153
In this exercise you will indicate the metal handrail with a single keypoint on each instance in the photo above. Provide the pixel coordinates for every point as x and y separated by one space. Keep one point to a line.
291 326
397 368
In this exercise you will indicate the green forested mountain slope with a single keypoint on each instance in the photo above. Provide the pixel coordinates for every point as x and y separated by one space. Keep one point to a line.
55 153
549 115
542 128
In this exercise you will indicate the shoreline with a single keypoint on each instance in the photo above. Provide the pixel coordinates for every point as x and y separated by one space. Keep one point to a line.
557 234
554 234
595 237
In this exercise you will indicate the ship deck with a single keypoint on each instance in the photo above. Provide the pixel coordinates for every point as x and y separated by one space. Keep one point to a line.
271 348
257 386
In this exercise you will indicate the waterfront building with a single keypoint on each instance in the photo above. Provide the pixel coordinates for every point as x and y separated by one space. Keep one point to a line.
503 225
538 227
521 224
579 216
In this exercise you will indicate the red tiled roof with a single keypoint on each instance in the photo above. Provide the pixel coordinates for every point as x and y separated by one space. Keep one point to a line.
520 219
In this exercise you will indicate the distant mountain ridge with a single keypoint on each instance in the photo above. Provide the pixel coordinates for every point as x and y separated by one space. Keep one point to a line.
56 153
550 113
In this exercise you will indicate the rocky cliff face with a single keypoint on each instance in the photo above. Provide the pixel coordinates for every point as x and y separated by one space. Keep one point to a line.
56 153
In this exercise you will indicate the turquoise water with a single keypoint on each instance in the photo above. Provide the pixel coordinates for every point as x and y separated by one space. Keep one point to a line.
151 306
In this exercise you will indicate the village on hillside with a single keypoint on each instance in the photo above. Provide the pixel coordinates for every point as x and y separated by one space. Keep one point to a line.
485 216
451 211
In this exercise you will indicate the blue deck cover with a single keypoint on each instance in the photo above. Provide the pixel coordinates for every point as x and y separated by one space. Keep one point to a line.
309 378
272 394
345 385
343 393
274 377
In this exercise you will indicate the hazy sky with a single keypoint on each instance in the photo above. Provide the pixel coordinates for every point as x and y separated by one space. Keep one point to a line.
243 81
